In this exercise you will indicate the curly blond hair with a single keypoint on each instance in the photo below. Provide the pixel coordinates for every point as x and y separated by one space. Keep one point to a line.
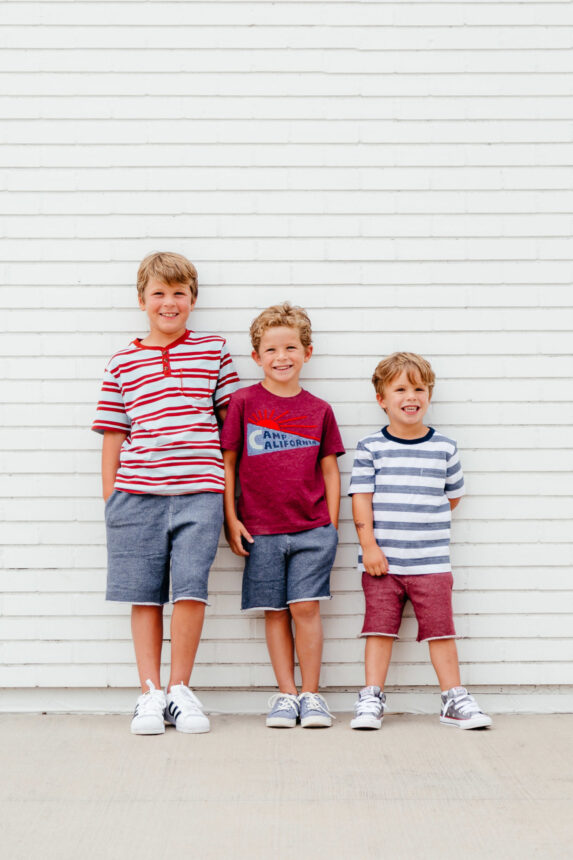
281 315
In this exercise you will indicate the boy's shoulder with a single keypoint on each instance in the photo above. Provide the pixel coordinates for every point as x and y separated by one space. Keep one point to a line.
197 340
382 438
257 391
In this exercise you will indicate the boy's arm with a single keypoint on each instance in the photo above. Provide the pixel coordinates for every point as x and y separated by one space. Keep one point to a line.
331 476
234 528
221 414
374 560
112 442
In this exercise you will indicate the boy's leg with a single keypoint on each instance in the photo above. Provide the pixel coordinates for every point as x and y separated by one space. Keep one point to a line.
377 654
308 642
186 626
444 657
371 703
147 633
280 644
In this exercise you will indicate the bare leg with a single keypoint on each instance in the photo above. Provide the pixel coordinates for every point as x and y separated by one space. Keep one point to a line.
377 654
280 643
308 642
186 625
147 633
444 657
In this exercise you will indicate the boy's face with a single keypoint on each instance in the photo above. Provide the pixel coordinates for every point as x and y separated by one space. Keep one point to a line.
167 307
405 404
281 356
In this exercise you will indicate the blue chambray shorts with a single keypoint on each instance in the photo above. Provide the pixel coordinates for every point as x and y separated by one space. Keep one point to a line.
288 568
150 537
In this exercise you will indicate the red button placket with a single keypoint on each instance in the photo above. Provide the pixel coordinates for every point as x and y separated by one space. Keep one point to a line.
166 364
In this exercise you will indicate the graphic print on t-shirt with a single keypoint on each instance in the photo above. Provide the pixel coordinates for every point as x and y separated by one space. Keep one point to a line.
269 432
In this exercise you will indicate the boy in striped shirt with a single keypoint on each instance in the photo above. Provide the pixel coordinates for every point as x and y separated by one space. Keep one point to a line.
406 480
163 482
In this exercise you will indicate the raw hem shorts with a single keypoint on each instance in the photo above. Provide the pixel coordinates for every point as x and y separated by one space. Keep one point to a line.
288 568
150 536
431 596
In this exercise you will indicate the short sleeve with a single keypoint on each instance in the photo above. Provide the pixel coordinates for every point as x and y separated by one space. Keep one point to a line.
454 487
232 432
227 381
331 441
363 474
110 413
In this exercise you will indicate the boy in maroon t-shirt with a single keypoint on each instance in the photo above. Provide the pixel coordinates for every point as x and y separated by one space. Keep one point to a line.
286 442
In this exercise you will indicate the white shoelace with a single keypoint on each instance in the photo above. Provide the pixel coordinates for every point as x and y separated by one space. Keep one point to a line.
186 699
464 703
315 702
151 702
369 704
283 702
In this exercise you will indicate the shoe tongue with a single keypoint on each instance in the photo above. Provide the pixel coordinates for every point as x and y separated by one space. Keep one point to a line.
457 691
370 691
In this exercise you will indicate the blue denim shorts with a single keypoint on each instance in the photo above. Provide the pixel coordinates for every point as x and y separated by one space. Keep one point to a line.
288 568
151 536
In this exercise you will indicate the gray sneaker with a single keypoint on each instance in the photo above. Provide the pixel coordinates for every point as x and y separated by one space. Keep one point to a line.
284 711
460 709
314 713
369 709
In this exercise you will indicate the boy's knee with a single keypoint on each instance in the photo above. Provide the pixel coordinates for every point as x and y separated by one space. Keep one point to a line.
276 615
305 610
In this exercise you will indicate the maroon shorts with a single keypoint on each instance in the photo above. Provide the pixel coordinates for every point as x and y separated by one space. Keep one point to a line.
431 596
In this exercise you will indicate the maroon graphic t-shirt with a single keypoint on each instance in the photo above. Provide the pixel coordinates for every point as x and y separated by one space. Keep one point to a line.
281 441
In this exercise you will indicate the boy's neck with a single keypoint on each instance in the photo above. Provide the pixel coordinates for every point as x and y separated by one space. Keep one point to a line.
409 433
157 338
289 389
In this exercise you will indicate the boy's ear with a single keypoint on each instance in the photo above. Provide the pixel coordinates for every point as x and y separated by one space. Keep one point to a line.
141 302
256 357
380 401
308 352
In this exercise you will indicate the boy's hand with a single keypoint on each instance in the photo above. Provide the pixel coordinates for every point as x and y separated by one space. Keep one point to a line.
375 562
234 531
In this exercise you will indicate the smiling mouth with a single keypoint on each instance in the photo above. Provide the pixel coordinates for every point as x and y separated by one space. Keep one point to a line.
411 410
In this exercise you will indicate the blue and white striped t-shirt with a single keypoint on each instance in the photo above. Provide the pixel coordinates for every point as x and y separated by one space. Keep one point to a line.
411 481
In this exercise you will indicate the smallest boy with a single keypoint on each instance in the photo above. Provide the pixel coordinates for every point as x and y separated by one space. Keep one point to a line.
406 480
286 442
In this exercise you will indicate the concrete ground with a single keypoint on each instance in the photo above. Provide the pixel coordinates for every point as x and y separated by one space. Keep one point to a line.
83 787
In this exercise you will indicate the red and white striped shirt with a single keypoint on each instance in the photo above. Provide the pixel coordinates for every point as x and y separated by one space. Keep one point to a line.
164 399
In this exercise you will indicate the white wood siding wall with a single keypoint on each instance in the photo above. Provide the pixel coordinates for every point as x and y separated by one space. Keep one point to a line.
403 170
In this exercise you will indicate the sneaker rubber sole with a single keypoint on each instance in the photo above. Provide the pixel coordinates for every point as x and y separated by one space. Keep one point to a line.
366 721
148 728
481 721
281 722
316 721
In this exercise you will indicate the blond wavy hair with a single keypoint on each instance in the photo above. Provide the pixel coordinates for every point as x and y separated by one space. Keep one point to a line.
281 315
168 268
416 367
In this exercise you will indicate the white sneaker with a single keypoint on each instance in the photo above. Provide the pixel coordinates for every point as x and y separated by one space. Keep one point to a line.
369 709
148 717
184 711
